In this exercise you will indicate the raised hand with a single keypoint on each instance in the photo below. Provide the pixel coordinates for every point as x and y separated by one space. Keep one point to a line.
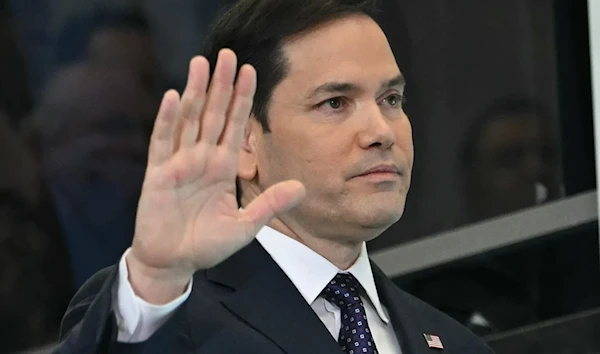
187 217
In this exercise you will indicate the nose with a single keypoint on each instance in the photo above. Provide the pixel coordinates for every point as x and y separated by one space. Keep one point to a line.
376 130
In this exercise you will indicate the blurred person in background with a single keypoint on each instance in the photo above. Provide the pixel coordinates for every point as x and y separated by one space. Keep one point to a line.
110 38
90 128
510 161
35 282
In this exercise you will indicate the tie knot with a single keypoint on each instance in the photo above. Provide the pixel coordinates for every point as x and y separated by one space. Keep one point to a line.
342 290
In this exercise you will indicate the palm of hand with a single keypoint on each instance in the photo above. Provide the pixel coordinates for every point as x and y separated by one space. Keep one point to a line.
188 217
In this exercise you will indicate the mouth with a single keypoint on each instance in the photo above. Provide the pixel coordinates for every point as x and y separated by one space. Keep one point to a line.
381 173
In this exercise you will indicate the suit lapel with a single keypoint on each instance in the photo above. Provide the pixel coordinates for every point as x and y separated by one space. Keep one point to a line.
408 323
268 301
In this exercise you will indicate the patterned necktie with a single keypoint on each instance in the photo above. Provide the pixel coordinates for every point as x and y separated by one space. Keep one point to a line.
355 336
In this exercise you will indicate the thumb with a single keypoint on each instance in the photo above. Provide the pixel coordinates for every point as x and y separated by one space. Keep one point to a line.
277 199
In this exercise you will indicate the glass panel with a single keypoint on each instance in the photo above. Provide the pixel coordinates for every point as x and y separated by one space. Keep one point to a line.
576 334
504 122
519 286
495 102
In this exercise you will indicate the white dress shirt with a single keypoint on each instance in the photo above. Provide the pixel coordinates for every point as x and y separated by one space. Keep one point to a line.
308 271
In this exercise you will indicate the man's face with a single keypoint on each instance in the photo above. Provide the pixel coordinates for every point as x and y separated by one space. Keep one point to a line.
516 153
336 115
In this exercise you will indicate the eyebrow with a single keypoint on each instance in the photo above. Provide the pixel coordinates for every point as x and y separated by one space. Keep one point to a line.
397 81
345 87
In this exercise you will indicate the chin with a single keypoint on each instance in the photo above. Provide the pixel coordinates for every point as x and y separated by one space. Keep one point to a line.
379 218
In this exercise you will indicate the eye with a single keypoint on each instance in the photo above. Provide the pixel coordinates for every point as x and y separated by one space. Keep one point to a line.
334 103
395 100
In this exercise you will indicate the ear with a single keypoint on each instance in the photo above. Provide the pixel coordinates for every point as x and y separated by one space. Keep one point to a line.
248 159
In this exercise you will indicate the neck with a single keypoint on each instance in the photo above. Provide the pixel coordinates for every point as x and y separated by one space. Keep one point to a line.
342 254
340 251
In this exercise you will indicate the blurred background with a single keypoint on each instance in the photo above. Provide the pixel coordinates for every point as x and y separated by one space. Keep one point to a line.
501 224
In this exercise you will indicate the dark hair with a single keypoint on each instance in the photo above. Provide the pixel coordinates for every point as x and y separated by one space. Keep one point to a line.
74 37
256 31
500 109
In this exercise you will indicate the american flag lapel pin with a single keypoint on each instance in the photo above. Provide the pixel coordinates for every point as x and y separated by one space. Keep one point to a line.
433 341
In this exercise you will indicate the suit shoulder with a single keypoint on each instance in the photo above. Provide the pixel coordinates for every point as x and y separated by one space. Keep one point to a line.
445 326
98 284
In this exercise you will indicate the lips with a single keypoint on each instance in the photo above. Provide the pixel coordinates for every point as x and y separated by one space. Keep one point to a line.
381 169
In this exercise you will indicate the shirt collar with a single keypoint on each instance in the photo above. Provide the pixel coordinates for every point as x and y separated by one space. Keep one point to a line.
311 272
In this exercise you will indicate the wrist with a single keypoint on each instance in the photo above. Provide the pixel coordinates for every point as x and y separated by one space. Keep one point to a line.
157 286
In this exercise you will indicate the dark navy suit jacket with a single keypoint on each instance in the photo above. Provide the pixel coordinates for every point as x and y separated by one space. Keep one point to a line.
248 305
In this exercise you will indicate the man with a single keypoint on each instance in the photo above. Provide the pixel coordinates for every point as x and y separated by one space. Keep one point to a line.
510 159
324 162
115 38
35 286
92 125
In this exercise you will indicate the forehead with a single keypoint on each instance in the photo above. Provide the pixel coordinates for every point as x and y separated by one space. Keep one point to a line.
512 130
349 49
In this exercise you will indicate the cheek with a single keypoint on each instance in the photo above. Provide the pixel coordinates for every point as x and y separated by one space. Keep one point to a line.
321 164
404 138
321 160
